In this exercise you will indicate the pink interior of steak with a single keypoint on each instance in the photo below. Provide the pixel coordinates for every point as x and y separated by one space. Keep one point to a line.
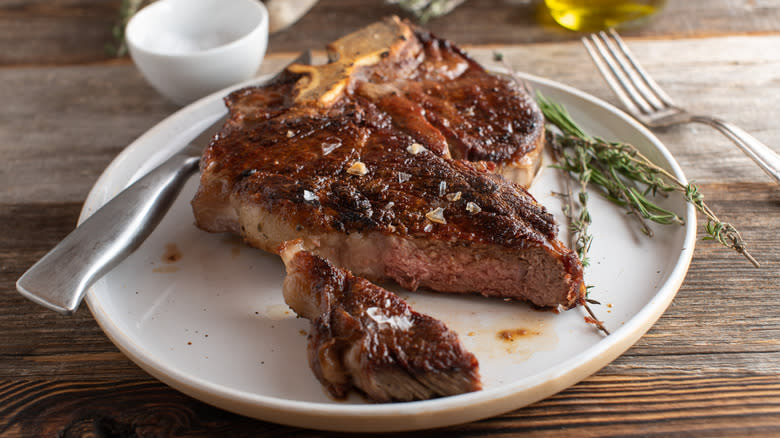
537 275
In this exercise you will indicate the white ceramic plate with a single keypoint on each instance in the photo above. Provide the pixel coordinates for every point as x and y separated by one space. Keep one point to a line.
213 323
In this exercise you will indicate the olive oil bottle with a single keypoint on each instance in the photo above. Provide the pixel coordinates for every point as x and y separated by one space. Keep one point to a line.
592 15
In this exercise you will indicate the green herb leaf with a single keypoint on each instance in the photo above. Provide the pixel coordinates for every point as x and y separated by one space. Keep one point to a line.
625 177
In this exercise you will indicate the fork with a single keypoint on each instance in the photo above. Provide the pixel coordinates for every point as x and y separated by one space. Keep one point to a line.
649 104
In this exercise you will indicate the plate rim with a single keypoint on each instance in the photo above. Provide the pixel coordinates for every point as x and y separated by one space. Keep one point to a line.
417 415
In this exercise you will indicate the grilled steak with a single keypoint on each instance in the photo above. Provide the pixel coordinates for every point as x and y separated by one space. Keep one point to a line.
366 337
382 161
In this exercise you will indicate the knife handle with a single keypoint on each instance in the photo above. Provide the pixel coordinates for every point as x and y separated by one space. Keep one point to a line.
61 278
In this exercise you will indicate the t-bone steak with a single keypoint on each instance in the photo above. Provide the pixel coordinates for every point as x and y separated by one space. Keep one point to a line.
384 161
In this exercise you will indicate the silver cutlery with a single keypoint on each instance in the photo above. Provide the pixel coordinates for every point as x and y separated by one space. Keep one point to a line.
649 104
61 278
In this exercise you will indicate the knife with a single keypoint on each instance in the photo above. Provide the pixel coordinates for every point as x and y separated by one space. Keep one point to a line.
61 278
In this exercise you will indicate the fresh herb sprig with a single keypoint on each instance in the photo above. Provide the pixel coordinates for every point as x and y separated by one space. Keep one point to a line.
578 227
127 9
628 178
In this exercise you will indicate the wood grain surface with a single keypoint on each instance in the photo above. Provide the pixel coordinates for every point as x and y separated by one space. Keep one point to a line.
64 32
709 367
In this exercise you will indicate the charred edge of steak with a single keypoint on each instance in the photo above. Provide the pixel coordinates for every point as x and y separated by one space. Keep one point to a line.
518 123
365 337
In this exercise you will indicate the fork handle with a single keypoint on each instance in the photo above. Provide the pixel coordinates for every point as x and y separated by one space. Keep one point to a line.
765 157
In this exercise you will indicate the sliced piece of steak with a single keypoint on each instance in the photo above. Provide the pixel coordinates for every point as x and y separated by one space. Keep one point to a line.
365 337
355 157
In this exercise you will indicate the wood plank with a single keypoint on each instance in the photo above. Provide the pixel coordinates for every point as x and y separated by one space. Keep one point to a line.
28 232
55 32
660 404
109 408
64 125
58 32
655 405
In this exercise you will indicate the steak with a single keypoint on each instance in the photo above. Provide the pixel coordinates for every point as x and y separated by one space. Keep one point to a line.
383 162
365 337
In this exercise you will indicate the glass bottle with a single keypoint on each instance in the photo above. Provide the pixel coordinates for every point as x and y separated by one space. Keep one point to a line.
592 15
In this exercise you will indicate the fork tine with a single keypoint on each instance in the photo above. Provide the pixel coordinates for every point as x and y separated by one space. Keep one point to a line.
630 74
646 78
601 59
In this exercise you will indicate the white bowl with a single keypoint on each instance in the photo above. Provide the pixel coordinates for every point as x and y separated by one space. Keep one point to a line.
188 49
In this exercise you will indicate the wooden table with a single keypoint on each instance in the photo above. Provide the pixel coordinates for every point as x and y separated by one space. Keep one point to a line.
710 365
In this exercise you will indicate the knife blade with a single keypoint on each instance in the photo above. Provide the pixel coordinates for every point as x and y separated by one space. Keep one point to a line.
62 277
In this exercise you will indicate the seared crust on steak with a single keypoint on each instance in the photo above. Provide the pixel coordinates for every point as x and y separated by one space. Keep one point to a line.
366 337
368 172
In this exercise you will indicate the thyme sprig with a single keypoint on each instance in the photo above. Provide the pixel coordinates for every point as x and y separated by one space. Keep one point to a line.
578 227
628 178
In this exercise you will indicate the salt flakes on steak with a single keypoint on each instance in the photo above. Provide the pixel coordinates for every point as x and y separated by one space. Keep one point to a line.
415 148
436 215
357 168
442 188
473 208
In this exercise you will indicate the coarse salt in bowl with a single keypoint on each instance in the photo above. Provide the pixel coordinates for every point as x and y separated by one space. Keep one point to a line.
187 49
